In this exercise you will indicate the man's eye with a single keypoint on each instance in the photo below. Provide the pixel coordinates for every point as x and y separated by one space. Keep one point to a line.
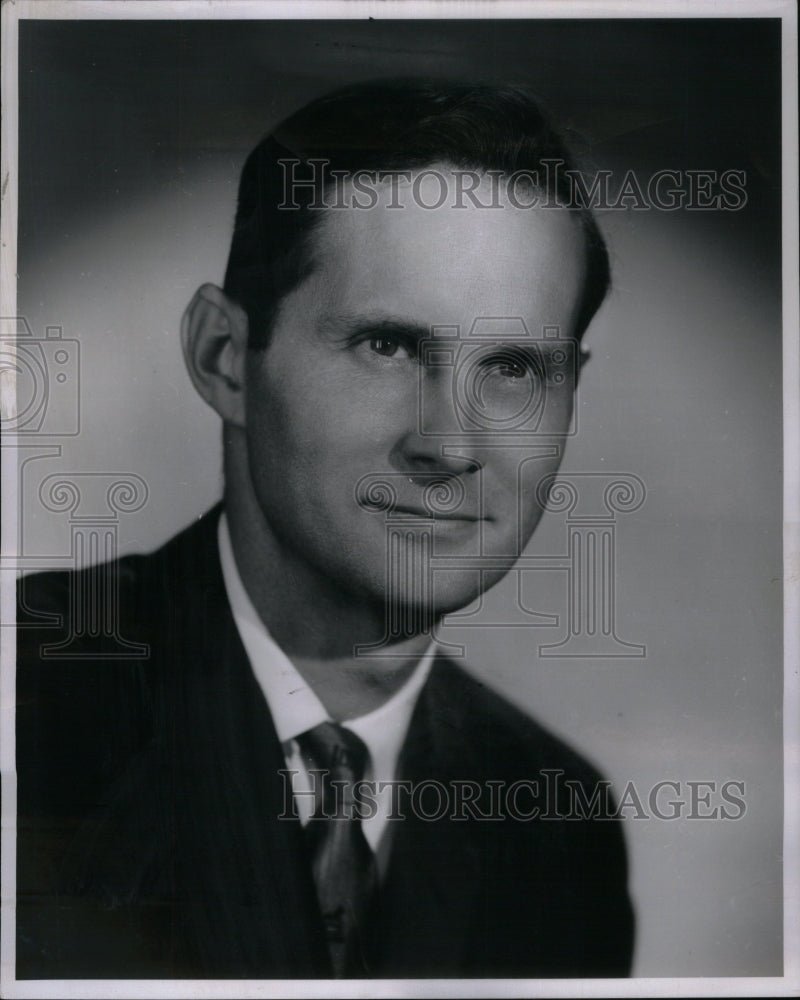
508 366
512 369
384 346
390 347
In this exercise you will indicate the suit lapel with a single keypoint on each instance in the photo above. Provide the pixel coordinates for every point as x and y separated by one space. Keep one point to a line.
436 866
246 896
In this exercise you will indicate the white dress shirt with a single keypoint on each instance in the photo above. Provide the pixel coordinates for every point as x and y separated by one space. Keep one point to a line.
295 708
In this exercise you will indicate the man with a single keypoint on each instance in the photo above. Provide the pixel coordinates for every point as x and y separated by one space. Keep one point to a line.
229 804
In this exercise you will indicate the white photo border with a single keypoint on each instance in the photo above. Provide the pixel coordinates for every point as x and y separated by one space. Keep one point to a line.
789 983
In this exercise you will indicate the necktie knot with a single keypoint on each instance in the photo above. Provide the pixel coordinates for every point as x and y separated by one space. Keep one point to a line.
336 750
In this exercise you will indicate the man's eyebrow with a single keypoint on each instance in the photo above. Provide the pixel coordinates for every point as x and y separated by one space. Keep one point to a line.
348 326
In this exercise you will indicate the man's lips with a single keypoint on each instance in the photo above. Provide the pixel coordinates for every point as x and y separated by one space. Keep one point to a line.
438 515
427 496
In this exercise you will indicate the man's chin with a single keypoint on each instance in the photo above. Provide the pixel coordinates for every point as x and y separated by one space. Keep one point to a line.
451 591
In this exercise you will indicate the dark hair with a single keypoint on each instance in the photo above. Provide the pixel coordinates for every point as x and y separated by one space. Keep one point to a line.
386 125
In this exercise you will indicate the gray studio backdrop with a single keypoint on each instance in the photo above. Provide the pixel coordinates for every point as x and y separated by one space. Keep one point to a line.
131 139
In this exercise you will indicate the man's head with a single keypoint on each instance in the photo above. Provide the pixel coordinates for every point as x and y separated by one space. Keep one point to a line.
318 352
385 128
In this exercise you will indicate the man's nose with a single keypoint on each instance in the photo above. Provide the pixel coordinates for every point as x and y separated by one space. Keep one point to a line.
436 441
422 453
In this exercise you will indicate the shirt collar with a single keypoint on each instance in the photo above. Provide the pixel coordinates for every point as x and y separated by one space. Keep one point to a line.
293 704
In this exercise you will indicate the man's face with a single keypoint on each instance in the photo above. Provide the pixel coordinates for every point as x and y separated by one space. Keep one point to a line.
344 390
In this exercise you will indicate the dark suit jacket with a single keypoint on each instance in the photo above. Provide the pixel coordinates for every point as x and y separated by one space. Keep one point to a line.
149 843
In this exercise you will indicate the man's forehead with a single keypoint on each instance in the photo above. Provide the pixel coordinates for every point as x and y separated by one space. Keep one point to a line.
452 263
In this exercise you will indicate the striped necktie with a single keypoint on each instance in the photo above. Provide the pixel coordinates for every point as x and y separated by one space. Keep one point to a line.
344 868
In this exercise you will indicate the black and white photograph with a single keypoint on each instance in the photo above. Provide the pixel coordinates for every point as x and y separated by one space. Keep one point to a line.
400 499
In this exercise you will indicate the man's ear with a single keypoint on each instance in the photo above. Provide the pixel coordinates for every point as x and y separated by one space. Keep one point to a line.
214 339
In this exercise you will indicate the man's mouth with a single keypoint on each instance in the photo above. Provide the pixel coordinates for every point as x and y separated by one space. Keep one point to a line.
427 496
423 512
